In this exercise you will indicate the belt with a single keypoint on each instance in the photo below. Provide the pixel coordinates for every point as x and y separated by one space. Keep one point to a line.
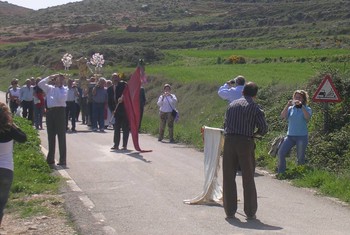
58 107
231 134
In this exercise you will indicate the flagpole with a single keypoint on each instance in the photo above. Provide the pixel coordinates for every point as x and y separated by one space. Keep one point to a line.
114 111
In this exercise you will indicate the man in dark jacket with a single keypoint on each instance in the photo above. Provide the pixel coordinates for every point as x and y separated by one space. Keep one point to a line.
115 104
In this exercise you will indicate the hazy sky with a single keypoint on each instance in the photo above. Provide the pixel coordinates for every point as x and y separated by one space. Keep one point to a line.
39 4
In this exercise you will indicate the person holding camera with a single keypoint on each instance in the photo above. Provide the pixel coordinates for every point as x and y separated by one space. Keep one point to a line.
9 133
297 113
56 97
166 102
232 89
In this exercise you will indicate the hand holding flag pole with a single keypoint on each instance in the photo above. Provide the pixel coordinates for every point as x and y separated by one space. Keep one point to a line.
131 101
113 113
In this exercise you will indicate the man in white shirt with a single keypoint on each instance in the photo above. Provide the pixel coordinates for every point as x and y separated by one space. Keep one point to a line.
232 89
56 97
27 100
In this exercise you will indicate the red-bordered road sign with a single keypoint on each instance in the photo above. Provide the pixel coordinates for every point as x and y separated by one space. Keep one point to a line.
326 92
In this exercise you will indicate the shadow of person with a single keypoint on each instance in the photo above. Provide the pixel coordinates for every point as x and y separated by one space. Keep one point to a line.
251 224
138 156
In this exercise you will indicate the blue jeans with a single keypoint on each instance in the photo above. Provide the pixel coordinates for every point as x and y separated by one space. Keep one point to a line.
38 116
290 141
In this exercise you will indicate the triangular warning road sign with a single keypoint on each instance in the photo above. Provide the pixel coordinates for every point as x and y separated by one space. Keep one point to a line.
326 92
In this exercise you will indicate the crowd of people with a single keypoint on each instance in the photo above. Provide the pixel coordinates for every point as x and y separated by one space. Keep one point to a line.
244 121
101 101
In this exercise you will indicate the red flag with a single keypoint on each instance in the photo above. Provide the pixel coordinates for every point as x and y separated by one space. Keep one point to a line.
131 100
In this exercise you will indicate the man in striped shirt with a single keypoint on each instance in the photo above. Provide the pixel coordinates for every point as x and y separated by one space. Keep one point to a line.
244 120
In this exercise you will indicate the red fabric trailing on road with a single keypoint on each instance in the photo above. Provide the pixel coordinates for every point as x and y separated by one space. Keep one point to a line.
131 100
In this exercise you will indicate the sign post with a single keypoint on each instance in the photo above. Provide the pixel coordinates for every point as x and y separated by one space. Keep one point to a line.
326 93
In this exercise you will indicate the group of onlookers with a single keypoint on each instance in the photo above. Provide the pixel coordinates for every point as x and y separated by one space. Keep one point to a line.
27 100
102 100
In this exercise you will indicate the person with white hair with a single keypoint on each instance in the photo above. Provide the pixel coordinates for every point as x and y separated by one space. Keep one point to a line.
99 99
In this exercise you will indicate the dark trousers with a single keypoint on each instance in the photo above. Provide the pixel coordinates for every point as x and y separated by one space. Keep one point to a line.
6 178
121 122
239 151
77 113
28 109
71 110
56 125
98 115
84 111
13 106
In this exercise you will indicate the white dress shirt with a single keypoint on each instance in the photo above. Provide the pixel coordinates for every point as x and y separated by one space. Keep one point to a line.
55 96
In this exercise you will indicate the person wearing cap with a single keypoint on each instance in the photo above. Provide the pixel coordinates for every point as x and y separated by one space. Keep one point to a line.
232 89
166 102
116 105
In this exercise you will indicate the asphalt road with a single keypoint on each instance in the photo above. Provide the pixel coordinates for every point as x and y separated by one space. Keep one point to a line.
126 192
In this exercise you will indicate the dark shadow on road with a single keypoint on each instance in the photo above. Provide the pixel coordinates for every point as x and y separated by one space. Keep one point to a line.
137 156
251 224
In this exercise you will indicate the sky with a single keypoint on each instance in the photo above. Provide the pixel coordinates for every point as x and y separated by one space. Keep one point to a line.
39 4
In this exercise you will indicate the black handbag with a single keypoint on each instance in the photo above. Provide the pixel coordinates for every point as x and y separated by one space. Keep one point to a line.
174 113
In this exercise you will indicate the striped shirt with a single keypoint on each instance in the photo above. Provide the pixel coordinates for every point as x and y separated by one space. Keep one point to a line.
245 117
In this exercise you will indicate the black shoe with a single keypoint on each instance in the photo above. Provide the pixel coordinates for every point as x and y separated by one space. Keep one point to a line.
172 141
115 147
253 217
160 139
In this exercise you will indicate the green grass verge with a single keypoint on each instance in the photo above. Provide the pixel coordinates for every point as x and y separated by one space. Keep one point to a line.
31 174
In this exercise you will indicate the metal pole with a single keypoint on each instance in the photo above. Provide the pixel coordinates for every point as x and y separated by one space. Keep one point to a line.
326 117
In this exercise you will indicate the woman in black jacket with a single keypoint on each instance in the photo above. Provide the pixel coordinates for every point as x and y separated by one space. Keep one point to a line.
8 133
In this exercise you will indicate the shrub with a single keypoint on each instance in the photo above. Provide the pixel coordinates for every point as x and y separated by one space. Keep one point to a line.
234 59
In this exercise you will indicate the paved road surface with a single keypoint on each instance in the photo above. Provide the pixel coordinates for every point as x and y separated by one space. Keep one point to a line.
124 192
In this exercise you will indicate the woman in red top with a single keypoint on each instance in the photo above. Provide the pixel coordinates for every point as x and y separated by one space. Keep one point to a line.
39 105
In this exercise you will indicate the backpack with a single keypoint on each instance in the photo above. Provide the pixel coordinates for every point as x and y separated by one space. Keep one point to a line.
275 145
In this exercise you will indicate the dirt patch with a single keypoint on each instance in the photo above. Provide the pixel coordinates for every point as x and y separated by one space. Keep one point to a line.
54 221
